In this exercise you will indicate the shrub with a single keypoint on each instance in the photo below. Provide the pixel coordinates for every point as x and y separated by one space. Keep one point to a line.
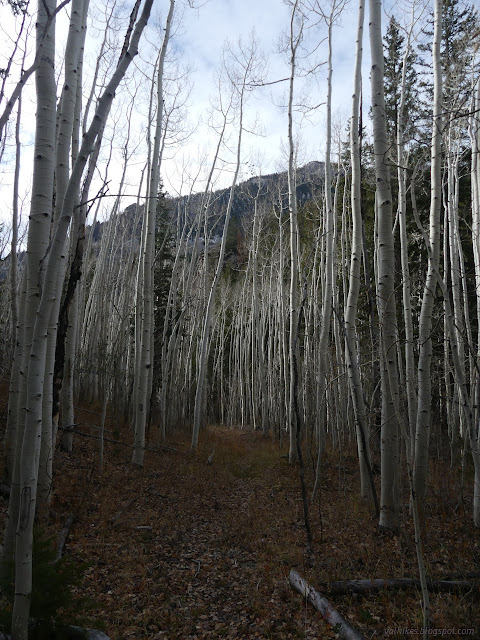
54 605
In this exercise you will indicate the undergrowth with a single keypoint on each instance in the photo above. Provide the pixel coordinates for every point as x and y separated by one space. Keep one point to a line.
55 603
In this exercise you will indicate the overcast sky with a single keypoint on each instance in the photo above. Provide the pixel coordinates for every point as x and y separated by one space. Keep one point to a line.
198 42
202 37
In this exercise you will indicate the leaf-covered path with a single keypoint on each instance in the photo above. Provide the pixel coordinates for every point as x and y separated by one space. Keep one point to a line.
185 549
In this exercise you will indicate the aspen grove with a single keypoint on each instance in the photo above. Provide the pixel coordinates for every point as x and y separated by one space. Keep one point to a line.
332 305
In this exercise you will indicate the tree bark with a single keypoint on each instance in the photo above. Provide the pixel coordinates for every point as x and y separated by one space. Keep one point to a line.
30 450
293 346
385 271
321 604
351 352
145 354
425 321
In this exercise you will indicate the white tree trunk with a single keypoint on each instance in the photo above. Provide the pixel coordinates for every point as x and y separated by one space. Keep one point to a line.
30 450
145 355
205 339
293 346
385 280
410 379
12 418
244 70
351 354
20 506
425 320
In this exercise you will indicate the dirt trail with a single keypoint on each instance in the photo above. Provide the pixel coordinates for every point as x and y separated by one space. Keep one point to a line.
190 550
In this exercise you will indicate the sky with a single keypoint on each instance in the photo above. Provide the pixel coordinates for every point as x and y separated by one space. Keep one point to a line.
202 39
197 42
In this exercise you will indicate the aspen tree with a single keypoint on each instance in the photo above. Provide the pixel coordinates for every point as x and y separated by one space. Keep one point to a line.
474 130
257 353
475 136
69 311
410 378
339 278
43 41
106 332
174 129
169 344
425 320
37 241
30 446
336 8
181 365
385 271
454 255
280 325
17 311
145 354
295 39
65 119
351 355
66 338
458 372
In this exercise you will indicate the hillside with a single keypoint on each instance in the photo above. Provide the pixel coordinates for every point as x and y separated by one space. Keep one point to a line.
271 190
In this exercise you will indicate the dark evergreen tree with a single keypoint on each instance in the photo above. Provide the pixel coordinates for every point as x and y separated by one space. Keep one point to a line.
460 24
395 45
162 277
164 258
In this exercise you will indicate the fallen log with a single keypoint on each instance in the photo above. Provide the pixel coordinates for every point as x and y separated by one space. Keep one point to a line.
462 575
321 604
363 586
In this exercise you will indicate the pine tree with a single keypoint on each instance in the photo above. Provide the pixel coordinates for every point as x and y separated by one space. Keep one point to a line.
394 51
165 310
460 22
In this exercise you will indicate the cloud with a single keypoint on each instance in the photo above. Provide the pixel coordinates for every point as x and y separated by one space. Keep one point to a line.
199 41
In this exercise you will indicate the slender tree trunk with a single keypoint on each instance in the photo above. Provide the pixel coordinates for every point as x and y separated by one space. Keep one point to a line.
293 346
257 352
145 362
30 450
385 280
351 354
410 380
13 392
20 506
205 339
425 321
328 237
475 181
239 77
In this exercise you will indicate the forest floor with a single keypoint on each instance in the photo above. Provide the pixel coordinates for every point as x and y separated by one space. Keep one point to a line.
184 549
